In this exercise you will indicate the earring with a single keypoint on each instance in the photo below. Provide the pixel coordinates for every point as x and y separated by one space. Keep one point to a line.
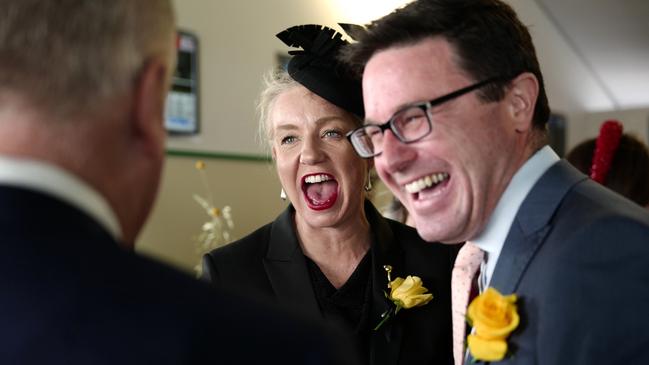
368 184
282 194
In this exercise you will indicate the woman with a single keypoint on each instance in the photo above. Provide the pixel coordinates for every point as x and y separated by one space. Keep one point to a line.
325 254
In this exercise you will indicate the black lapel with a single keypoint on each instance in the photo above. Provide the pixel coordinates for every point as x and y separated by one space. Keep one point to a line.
386 342
531 225
286 267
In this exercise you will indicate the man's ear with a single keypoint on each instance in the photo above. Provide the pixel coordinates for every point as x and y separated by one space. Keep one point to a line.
149 100
521 97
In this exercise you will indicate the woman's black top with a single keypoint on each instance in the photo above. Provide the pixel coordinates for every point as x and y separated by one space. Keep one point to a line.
349 305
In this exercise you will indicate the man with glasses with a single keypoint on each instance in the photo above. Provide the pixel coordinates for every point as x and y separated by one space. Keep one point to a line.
456 117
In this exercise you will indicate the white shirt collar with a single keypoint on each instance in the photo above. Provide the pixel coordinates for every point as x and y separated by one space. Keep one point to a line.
492 238
54 181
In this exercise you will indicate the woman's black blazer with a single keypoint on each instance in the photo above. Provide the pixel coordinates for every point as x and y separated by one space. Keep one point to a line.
269 263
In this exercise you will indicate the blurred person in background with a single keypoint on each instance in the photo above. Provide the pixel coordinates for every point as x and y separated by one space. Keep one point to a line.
624 156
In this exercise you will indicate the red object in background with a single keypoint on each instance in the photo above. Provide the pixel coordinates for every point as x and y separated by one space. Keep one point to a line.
605 147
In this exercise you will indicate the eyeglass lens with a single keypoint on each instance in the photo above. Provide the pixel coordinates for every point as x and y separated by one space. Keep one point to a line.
408 125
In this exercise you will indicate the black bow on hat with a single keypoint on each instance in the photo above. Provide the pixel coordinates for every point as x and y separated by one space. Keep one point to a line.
316 66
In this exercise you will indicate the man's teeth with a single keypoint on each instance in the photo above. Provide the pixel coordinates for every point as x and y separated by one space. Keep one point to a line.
316 179
426 182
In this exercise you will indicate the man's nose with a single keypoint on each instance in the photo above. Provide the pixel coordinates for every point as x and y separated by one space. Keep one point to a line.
395 155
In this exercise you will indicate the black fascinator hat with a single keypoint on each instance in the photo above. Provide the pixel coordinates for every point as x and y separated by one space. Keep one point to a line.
317 68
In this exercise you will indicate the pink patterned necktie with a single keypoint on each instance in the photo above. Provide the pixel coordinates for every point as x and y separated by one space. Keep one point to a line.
466 267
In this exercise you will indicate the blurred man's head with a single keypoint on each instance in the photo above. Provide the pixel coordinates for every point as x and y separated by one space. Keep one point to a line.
82 86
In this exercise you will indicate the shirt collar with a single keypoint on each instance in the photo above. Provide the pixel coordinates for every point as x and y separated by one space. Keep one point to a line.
492 238
56 182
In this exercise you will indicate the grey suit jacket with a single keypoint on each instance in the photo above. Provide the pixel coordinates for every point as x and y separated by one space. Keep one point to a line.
577 256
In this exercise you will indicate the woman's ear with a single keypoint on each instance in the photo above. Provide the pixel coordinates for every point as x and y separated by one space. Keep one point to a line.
521 98
273 154
370 164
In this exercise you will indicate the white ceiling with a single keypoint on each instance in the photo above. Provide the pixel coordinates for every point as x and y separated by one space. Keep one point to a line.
610 41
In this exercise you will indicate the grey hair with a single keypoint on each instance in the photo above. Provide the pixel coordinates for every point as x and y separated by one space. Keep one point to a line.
275 82
67 55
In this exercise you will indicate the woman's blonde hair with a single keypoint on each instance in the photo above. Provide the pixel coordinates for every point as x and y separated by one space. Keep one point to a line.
276 82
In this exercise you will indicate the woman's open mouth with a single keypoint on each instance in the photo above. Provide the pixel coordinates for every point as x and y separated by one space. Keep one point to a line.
320 191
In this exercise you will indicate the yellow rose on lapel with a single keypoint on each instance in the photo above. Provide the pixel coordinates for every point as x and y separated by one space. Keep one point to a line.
404 293
493 316
409 292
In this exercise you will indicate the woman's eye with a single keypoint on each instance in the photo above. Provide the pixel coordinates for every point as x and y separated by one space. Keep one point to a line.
332 133
288 139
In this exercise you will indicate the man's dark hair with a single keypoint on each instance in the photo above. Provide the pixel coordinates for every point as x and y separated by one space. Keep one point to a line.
487 36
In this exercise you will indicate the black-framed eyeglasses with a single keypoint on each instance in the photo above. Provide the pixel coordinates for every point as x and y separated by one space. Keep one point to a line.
409 124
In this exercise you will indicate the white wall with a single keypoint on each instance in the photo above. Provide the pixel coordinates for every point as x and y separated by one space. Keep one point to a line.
237 45
570 86
250 188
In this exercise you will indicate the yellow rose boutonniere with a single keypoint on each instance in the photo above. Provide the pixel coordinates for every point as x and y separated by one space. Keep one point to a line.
404 293
493 317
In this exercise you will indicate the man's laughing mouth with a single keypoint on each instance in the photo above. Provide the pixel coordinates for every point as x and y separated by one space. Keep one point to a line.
426 182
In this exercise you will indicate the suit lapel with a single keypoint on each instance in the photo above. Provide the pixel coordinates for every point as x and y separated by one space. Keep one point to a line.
286 267
531 225
516 255
386 342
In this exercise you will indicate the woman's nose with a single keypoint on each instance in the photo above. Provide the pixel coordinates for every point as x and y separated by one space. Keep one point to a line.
311 152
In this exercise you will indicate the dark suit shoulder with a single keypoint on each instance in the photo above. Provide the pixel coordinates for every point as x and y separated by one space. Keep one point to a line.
591 210
70 295
254 245
180 313
591 265
240 264
592 200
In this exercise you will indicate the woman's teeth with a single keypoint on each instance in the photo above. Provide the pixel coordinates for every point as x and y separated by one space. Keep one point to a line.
426 182
316 179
